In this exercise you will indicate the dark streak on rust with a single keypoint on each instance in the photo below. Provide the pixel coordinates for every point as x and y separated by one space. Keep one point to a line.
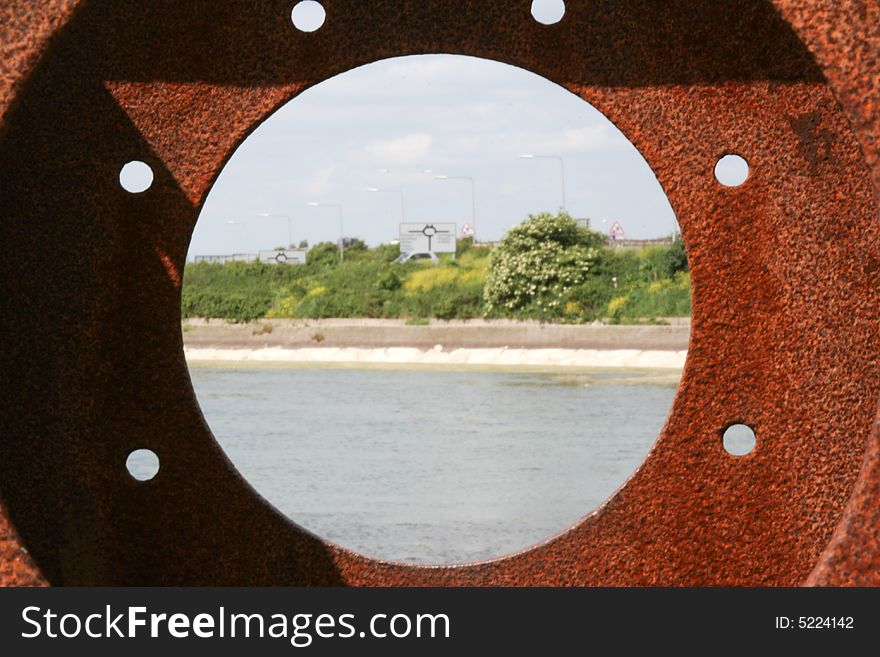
816 143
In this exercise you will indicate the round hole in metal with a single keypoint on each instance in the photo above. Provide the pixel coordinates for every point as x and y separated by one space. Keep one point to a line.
423 461
136 177
142 464
739 440
308 16
731 170
548 12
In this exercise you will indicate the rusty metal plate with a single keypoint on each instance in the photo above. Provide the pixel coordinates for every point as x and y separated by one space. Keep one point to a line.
845 37
786 284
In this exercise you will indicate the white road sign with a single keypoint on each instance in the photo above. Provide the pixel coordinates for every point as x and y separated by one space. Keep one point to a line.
419 238
283 257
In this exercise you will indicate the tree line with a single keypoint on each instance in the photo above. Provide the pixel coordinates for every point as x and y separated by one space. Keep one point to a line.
547 268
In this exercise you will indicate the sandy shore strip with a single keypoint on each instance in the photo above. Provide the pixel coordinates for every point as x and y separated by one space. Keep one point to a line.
472 343
438 356
452 335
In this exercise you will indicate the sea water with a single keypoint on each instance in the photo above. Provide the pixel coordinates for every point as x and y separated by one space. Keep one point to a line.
434 466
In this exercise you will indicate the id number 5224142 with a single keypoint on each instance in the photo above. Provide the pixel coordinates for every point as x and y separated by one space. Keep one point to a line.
815 622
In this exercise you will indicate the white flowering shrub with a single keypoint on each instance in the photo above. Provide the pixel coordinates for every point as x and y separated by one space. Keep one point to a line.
536 264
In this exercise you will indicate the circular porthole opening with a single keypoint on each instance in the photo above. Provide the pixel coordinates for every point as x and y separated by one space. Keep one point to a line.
363 411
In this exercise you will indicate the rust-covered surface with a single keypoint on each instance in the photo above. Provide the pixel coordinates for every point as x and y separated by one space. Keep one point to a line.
786 275
16 566
845 37
25 31
26 28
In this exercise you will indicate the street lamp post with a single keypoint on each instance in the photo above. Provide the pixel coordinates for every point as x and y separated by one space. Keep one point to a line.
473 199
341 238
376 190
289 225
561 167
239 224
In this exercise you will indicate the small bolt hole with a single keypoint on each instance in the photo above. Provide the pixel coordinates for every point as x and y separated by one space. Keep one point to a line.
548 12
308 15
136 177
739 440
731 170
142 464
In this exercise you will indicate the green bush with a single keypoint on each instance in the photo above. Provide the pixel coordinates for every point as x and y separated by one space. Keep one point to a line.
589 300
322 255
537 263
235 306
238 291
546 268
664 298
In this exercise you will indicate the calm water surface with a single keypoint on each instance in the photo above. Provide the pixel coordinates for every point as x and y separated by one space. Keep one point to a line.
434 466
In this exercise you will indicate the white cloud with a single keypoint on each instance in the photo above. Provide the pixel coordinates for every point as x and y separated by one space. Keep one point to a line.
402 150
439 69
319 184
453 115
586 139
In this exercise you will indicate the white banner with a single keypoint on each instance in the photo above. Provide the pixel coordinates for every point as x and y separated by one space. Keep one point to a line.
283 257
421 238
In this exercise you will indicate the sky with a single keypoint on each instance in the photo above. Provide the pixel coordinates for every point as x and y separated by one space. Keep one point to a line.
399 123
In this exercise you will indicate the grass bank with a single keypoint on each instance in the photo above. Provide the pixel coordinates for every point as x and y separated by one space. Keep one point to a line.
569 277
